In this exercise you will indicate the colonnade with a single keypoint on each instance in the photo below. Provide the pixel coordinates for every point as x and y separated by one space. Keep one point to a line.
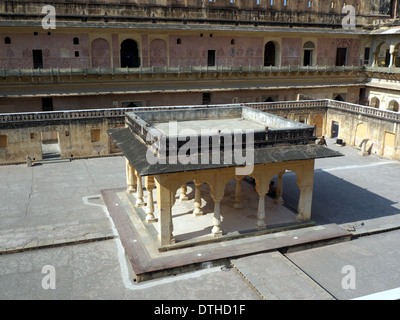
167 186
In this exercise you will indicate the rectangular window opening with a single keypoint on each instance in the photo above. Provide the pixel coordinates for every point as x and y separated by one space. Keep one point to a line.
3 141
95 135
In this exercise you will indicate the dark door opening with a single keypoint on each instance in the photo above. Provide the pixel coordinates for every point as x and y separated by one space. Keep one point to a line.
206 98
211 58
129 54
47 104
387 58
37 59
308 56
367 53
341 57
335 129
269 54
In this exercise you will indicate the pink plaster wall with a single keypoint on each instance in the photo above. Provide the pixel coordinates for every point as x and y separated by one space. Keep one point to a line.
101 53
291 51
326 55
115 50
158 53
145 51
58 50
327 51
193 50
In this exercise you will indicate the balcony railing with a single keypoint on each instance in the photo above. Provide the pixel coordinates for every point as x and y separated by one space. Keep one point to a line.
54 72
265 106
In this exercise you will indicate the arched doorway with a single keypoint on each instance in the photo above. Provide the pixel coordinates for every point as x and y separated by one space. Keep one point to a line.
270 54
129 54
101 55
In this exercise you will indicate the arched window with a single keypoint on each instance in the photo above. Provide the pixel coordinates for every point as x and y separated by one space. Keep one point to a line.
308 50
375 103
270 54
76 40
7 40
178 41
129 54
393 106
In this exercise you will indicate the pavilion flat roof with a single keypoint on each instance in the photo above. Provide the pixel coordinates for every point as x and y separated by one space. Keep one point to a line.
274 139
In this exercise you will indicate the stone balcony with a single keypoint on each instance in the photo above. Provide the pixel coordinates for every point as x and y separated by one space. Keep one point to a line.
59 72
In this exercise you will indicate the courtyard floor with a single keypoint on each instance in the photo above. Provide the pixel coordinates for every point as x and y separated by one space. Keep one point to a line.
54 214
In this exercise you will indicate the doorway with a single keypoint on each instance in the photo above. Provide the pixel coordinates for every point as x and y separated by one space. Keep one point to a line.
47 104
308 53
341 57
308 58
270 54
335 129
211 58
50 145
130 54
37 59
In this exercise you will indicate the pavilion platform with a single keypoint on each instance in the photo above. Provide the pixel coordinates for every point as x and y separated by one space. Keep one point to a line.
195 248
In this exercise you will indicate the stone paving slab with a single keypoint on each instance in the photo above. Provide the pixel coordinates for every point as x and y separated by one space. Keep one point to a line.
22 239
274 277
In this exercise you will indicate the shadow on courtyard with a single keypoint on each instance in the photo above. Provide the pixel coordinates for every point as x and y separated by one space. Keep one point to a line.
339 201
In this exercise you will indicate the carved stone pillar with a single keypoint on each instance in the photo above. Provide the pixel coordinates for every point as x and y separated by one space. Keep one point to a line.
165 201
262 176
130 178
392 52
183 196
139 198
197 199
216 230
305 203
305 181
238 192
279 189
149 182
217 190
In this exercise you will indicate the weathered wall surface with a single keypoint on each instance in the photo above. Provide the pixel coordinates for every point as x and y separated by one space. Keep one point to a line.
302 11
85 133
74 138
103 49
83 102
353 128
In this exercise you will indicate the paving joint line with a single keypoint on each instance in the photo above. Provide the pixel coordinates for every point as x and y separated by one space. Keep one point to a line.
55 244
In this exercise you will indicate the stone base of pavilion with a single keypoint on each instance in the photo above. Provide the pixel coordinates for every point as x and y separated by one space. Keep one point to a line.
194 245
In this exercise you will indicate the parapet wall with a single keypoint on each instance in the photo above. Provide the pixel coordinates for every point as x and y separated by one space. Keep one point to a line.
220 11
